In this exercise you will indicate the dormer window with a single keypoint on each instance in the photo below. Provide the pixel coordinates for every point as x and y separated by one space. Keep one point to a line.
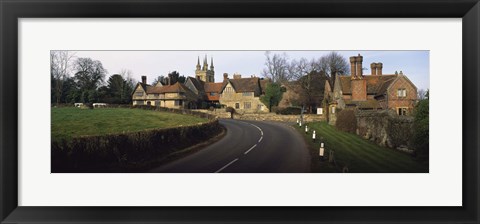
401 93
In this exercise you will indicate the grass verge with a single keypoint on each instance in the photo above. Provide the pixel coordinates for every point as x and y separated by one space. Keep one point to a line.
70 122
357 154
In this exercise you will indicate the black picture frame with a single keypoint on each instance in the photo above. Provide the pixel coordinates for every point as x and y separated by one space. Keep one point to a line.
11 11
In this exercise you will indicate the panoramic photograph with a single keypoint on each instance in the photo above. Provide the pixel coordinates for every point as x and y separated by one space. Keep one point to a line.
239 111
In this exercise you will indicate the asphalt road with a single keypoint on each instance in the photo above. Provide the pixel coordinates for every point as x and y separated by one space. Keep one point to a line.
248 147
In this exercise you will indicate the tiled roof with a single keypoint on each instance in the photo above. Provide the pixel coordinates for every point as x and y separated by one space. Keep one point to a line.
376 84
263 84
199 84
244 85
175 88
213 87
213 98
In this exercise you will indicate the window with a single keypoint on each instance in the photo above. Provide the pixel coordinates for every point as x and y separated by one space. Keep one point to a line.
402 111
229 89
401 92
140 102
178 102
247 94
156 94
237 105
247 105
139 93
212 94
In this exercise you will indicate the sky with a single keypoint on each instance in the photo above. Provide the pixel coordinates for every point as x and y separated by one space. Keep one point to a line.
414 64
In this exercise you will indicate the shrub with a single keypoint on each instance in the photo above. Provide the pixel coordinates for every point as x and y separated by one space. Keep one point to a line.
421 130
346 121
289 111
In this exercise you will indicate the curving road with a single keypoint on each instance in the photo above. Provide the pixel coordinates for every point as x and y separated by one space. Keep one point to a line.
248 147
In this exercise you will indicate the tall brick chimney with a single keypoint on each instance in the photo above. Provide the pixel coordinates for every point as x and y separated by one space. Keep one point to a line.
237 76
144 80
225 76
379 68
352 67
373 67
359 60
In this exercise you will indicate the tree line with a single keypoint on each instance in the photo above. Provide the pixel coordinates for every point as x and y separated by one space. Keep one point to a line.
82 80
306 76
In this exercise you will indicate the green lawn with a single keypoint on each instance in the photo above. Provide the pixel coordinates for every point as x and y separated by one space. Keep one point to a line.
71 122
359 155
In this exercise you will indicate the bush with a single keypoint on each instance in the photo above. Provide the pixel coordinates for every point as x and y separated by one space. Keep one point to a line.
421 130
289 111
346 121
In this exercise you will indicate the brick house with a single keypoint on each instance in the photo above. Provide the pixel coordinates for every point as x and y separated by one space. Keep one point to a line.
370 92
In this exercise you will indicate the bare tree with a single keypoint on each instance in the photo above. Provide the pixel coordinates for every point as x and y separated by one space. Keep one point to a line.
332 64
276 67
129 83
421 94
60 68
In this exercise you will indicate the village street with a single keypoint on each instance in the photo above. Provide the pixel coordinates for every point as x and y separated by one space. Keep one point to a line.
248 147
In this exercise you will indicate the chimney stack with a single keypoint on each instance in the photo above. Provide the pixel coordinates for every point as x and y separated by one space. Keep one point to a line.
225 76
144 80
379 68
359 60
373 66
352 67
237 76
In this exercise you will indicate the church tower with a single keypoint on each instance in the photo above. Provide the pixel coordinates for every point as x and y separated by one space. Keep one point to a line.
203 73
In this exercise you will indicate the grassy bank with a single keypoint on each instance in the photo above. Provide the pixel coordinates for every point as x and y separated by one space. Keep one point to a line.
124 140
69 122
359 155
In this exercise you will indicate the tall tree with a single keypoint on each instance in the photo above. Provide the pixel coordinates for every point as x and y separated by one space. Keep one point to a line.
60 68
117 91
273 95
332 64
276 67
129 85
311 81
162 79
173 77
421 128
89 75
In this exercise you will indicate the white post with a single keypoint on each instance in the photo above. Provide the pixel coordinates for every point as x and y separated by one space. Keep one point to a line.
306 129
300 123
297 120
322 150
313 136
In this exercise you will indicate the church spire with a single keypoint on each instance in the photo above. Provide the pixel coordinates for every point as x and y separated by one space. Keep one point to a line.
205 64
211 64
198 63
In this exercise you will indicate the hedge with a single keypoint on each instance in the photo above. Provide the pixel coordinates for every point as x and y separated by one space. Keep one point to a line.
126 152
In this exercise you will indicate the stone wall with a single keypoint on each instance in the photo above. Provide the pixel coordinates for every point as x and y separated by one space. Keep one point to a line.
220 113
385 128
